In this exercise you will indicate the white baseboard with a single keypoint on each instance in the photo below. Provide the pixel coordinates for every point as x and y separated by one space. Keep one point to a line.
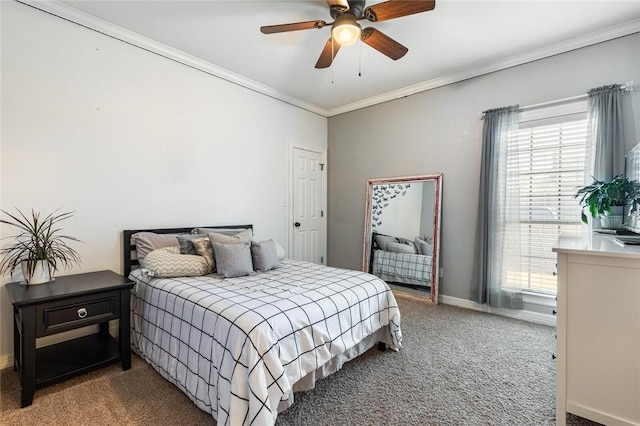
530 316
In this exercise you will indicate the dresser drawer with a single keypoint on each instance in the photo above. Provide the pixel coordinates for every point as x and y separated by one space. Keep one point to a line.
68 314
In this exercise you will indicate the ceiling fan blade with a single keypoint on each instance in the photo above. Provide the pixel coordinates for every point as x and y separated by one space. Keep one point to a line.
395 9
383 43
342 5
328 54
307 25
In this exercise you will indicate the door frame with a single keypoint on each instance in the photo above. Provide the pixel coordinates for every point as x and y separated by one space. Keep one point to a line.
323 153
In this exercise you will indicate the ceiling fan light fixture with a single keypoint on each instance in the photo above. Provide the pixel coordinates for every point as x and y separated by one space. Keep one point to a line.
346 31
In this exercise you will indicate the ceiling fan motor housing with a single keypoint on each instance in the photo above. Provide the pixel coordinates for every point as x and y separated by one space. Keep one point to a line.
356 8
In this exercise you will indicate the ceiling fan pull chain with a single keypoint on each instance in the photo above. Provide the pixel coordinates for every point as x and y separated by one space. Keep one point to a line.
360 59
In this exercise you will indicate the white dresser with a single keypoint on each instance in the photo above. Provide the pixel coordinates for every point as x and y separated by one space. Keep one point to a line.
598 346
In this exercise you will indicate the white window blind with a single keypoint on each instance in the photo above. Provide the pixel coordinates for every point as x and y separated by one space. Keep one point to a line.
549 157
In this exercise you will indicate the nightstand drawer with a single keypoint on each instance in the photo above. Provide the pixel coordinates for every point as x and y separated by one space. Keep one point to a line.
77 312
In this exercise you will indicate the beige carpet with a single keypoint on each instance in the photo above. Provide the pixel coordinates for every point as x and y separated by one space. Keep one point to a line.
449 372
108 396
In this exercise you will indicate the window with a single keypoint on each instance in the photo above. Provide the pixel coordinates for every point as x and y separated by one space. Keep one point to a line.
549 157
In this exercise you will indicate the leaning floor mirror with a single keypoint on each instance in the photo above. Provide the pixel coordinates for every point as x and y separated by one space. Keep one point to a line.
402 232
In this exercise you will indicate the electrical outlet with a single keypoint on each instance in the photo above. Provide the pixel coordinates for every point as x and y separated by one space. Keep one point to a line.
441 272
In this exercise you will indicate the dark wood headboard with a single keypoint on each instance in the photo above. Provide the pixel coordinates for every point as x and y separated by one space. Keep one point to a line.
129 248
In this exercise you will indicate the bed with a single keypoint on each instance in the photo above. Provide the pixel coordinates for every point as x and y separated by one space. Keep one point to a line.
406 268
240 347
399 260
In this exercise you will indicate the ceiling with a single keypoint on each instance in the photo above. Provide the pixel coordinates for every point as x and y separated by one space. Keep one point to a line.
457 40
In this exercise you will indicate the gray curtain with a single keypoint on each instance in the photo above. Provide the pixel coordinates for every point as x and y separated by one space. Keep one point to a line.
606 138
496 272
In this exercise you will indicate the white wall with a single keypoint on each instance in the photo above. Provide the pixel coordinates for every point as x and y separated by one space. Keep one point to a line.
439 131
401 218
129 139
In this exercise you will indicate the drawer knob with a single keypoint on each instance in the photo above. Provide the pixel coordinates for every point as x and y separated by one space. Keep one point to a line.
82 312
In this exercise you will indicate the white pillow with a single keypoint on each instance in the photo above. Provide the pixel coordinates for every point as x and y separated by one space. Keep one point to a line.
169 263
280 251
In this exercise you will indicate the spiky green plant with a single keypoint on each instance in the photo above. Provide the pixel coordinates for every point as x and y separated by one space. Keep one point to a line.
38 239
600 196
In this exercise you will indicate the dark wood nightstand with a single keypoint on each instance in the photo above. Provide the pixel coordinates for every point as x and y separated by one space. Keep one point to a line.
68 303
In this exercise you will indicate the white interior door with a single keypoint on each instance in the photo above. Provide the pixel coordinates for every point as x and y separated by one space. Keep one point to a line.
308 215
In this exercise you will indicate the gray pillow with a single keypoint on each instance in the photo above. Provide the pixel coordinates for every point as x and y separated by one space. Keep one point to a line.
409 243
401 248
186 242
424 247
264 255
146 242
223 231
233 260
383 240
241 237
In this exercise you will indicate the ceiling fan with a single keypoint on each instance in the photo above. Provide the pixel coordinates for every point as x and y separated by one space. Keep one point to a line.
345 29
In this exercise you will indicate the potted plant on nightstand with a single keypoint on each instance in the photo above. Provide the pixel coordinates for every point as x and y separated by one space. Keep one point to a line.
38 248
606 200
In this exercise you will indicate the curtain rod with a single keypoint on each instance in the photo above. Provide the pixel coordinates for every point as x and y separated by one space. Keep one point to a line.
557 101
544 104
629 86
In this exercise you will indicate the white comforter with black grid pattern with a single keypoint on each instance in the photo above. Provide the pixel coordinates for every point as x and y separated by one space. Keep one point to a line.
402 267
236 346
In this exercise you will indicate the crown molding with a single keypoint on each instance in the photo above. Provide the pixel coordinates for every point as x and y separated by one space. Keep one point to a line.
63 11
71 14
585 40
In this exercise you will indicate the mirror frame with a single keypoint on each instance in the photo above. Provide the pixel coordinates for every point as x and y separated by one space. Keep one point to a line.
437 210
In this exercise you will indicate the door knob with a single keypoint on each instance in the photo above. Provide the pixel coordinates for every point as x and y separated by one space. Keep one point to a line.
297 224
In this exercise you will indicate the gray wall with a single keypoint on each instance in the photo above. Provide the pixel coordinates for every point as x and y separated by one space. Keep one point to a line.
439 131
427 215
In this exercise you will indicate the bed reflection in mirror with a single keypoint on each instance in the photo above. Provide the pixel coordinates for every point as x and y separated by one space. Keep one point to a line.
402 232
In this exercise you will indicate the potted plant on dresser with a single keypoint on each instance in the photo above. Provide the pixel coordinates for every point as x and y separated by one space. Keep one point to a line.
39 248
606 200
